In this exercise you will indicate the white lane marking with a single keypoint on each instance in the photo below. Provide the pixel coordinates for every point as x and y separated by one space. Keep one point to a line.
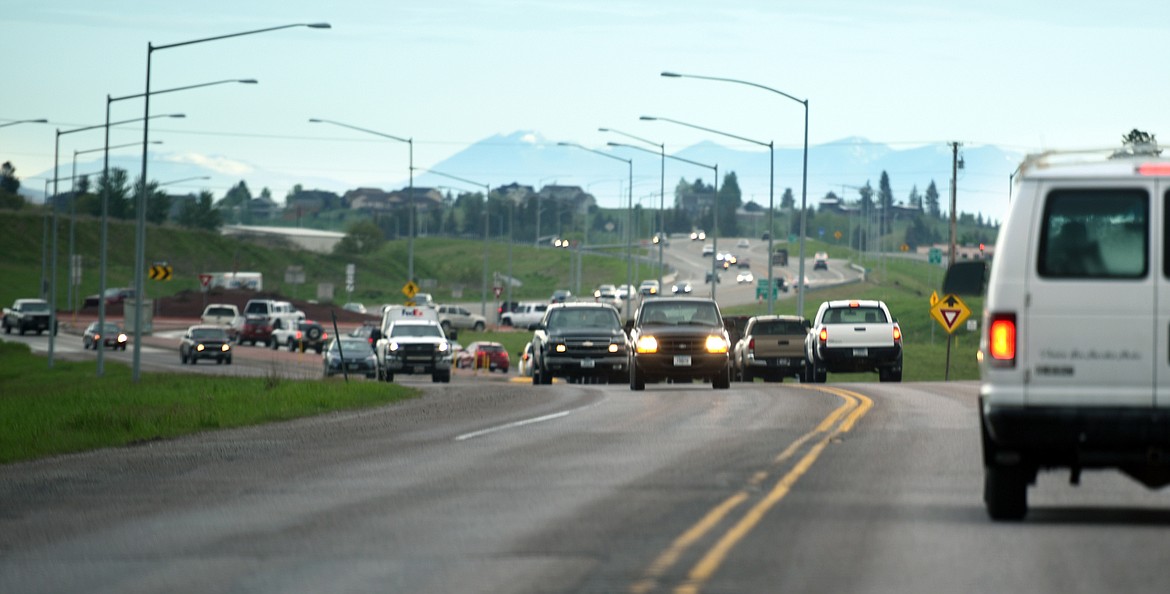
522 423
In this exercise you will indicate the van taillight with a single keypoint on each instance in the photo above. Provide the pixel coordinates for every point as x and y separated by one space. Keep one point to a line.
1001 339
1158 169
824 335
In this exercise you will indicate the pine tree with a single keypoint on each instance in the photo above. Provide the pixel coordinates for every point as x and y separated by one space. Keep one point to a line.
932 205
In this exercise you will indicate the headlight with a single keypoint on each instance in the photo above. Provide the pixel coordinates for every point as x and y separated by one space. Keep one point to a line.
226 347
199 347
122 338
444 347
613 347
393 346
560 348
647 344
716 344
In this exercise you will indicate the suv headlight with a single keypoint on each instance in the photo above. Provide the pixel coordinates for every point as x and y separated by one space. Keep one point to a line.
444 347
716 344
393 346
647 344
560 347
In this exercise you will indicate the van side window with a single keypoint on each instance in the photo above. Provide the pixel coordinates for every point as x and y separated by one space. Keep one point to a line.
1166 238
1095 234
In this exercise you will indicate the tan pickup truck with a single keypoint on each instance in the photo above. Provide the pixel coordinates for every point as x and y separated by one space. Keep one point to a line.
772 347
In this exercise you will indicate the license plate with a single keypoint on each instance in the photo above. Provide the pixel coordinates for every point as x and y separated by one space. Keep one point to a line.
587 364
420 369
682 360
353 366
861 352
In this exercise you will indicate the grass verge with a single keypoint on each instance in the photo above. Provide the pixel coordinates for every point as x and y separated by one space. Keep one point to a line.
67 409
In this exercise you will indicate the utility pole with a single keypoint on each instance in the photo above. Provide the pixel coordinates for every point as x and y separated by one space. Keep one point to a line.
952 252
954 191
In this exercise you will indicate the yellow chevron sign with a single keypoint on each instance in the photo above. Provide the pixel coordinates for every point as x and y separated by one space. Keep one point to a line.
161 272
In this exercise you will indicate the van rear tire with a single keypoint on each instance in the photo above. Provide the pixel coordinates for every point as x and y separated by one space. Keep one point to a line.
1005 492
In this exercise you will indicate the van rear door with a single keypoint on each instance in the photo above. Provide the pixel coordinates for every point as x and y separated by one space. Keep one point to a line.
1161 271
1087 337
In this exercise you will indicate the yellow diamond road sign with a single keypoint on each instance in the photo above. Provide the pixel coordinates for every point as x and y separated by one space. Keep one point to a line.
410 289
950 311
161 272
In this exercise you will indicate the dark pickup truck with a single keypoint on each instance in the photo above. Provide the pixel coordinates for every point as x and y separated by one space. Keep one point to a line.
27 315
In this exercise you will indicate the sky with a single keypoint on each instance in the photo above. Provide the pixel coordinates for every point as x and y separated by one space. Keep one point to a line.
448 73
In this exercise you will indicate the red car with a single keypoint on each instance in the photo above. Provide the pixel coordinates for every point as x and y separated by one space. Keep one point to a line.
484 355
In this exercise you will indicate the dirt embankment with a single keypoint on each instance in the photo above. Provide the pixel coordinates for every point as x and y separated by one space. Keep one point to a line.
190 305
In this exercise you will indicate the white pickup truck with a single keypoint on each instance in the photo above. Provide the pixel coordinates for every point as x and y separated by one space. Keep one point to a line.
854 336
225 315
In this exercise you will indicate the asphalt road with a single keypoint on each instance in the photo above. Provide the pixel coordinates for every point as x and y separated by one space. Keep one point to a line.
506 487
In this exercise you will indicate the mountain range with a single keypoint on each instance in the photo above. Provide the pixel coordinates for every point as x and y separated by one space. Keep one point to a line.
526 158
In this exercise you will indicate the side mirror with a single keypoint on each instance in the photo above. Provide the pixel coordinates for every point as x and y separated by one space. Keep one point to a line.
534 327
452 334
966 278
376 335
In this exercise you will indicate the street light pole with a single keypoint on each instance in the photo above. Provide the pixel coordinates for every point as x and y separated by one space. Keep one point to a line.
101 354
629 223
140 223
73 215
486 202
715 168
413 204
803 178
661 194
771 196
53 274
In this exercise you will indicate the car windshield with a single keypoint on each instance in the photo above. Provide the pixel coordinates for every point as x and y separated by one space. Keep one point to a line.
208 334
400 330
680 313
37 306
854 315
779 327
220 311
580 317
107 329
351 345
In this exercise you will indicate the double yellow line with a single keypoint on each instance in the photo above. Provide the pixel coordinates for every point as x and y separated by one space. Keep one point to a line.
841 420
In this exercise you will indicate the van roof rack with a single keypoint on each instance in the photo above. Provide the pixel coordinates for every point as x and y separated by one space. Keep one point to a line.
1135 144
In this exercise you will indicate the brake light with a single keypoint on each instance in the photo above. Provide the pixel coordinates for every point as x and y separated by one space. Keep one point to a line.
1001 339
823 335
752 343
897 334
1162 169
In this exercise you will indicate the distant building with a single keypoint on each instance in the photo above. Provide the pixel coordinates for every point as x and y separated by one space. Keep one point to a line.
313 240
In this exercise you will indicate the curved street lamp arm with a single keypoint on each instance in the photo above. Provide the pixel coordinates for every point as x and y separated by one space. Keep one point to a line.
737 81
705 129
230 35
360 129
638 148
596 152
660 145
247 81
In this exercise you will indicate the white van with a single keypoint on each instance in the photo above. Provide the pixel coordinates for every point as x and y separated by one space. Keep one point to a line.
1075 351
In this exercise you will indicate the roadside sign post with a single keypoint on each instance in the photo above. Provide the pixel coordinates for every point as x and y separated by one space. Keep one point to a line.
349 274
205 285
949 312
410 290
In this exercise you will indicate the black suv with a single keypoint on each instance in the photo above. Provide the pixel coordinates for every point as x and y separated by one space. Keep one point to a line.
679 339
581 342
205 342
